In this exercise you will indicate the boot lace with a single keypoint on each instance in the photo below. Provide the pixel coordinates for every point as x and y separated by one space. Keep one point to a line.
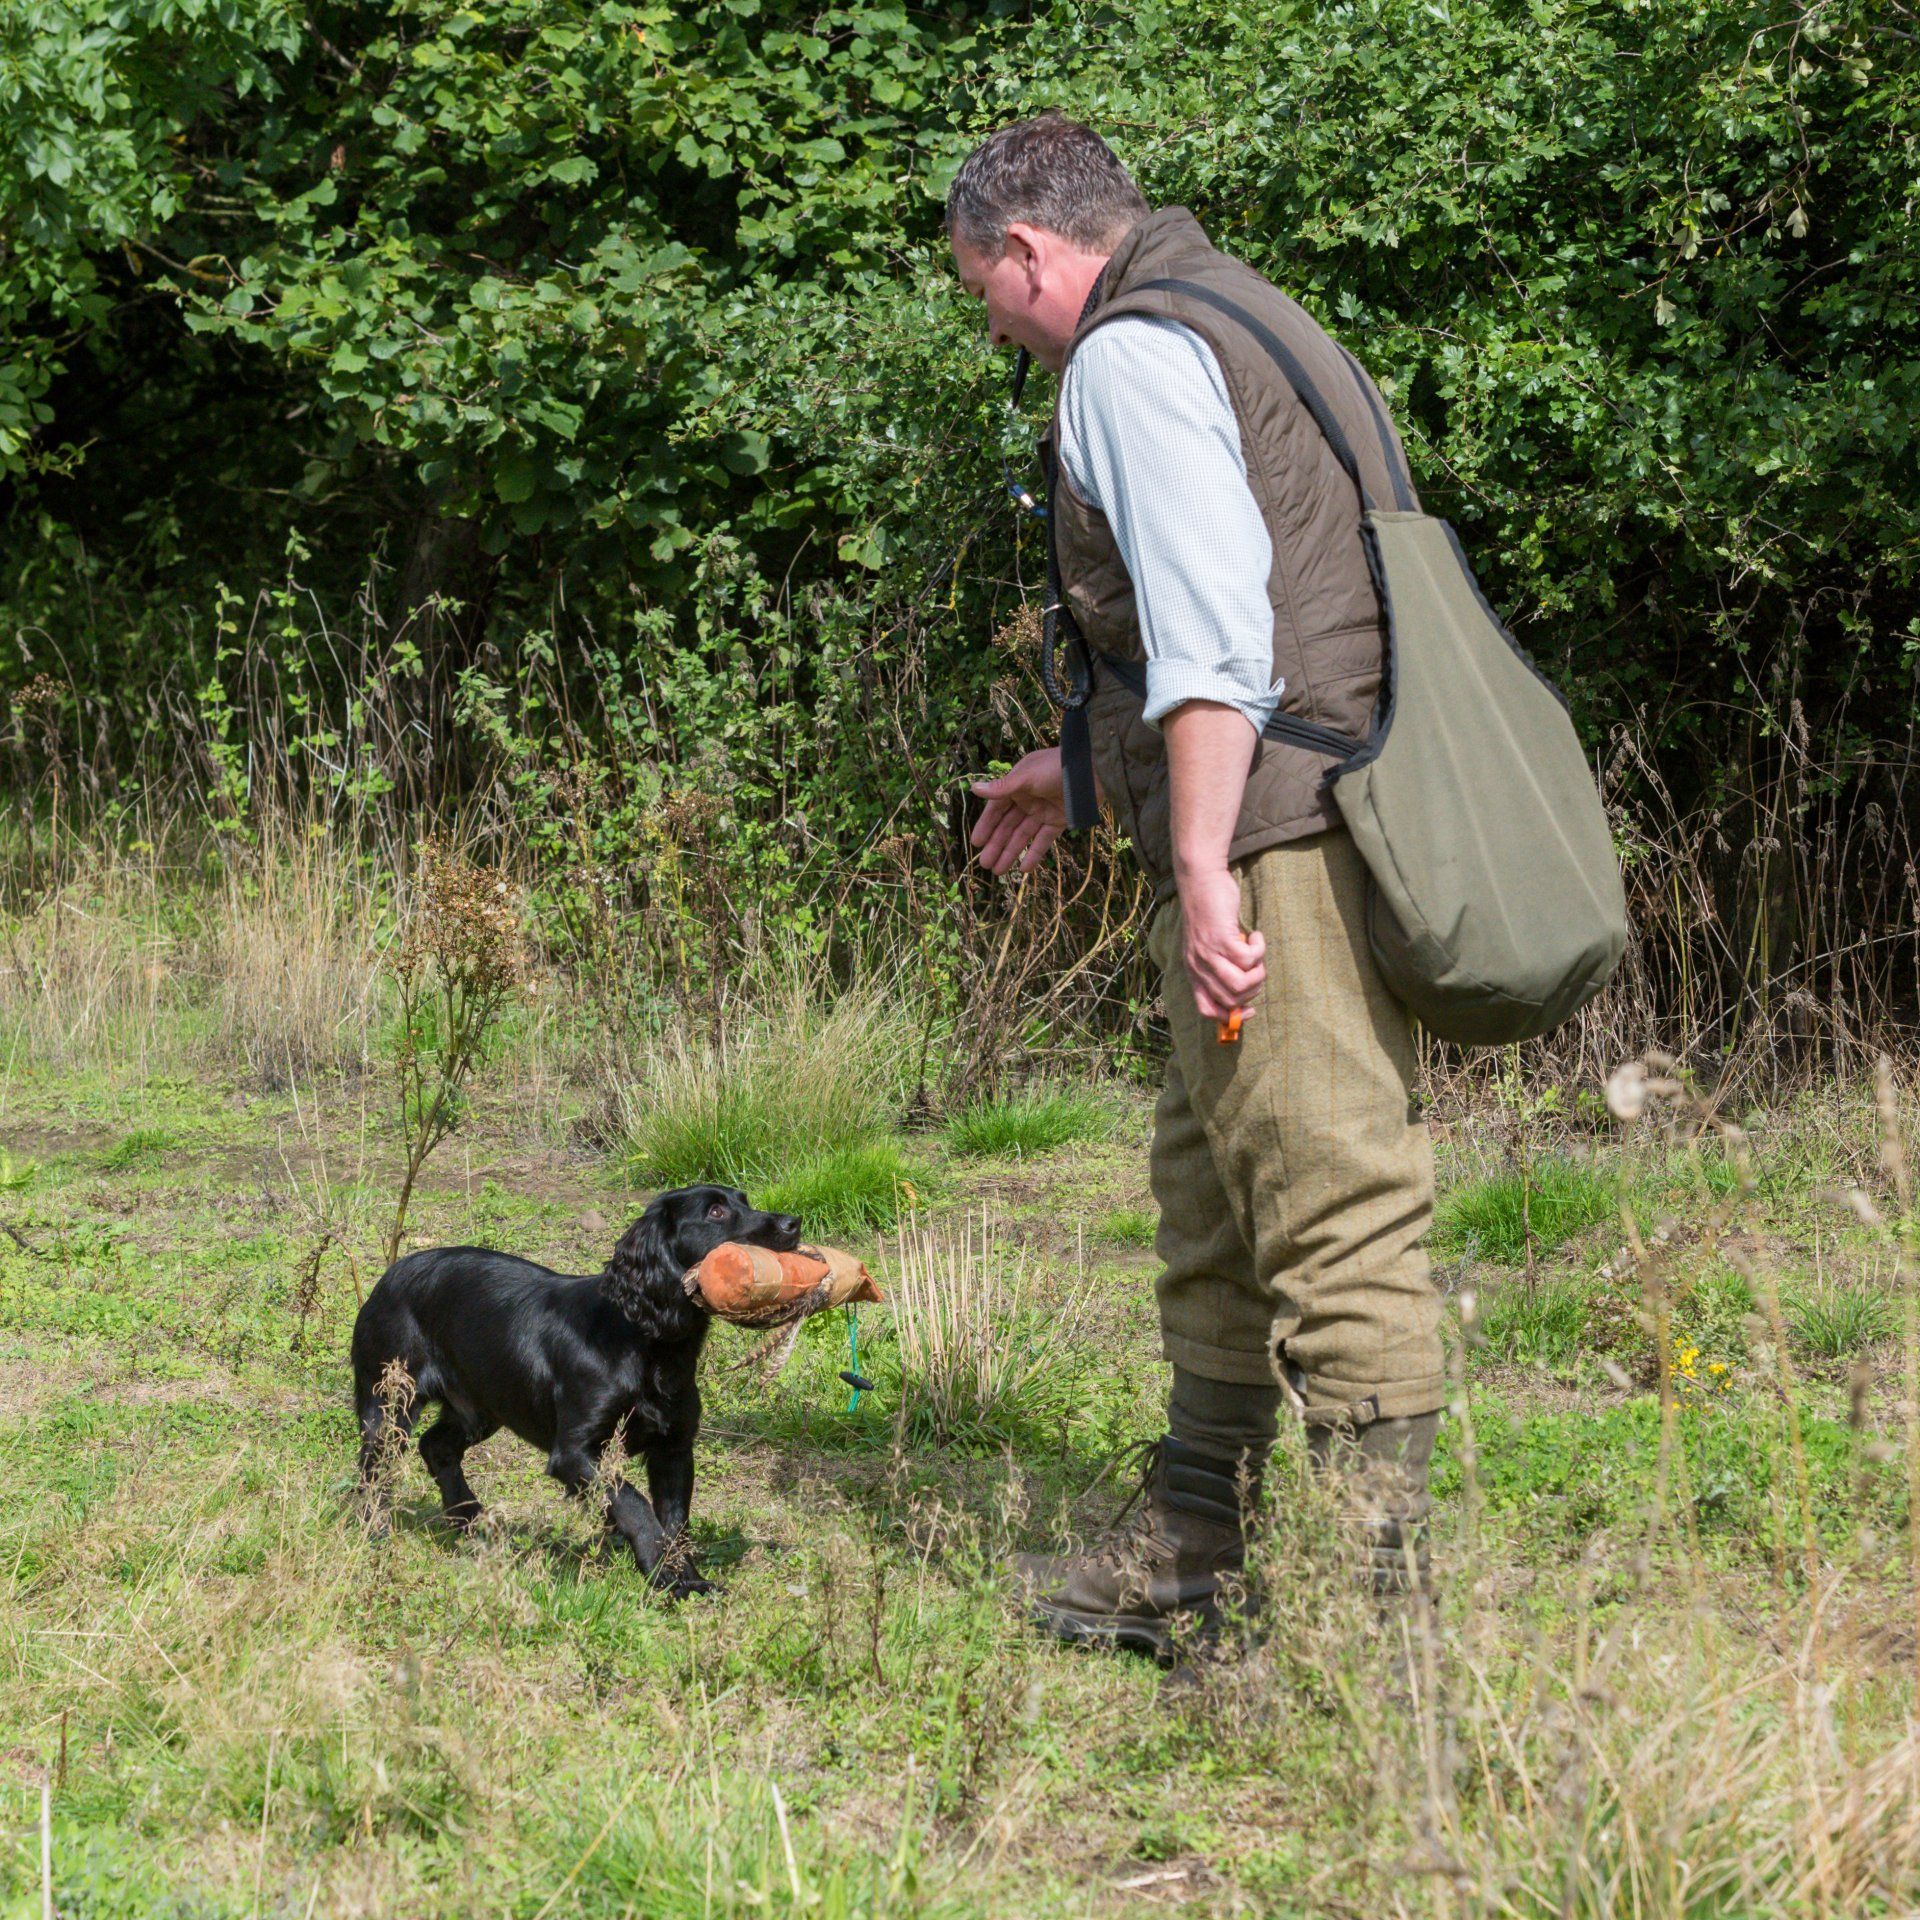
1135 1528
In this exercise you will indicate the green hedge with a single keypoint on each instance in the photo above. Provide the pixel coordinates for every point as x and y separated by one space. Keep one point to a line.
650 302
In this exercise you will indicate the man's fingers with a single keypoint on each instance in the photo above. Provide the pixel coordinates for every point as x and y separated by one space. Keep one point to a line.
995 811
1223 976
1238 950
1216 1005
1219 985
1038 851
1021 841
1011 837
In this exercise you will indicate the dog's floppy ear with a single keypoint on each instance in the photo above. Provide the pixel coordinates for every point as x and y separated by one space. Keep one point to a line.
643 1277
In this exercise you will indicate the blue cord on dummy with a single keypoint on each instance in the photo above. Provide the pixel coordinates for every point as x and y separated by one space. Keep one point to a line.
851 1374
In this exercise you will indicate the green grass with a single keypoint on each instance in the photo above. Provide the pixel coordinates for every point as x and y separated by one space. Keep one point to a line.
1025 1125
143 1147
255 1694
851 1189
1130 1226
1837 1322
1553 1201
1546 1322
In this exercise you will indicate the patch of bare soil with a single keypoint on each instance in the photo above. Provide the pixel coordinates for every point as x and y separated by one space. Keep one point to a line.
1533 1390
25 1141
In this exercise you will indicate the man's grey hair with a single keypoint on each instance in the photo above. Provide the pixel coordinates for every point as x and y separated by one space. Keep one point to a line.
1049 172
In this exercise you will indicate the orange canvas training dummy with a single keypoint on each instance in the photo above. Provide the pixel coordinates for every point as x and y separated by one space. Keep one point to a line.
756 1287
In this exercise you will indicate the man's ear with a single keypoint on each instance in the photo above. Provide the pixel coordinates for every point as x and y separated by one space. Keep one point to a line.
1029 248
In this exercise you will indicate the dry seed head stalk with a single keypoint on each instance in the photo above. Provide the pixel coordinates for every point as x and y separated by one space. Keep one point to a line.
38 704
610 1470
393 1394
465 926
690 813
1893 1152
1020 634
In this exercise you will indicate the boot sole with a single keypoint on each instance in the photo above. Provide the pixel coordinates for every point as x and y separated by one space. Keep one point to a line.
1143 1632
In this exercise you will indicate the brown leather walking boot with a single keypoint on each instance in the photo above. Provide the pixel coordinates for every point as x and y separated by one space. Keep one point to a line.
1162 1560
1384 1468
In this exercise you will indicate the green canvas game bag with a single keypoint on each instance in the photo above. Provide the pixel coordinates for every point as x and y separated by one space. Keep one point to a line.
1498 909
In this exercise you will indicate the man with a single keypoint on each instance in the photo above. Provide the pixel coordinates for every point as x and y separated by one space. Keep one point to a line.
1205 532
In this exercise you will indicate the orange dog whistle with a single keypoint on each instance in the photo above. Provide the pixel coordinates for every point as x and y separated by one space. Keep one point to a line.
1230 1027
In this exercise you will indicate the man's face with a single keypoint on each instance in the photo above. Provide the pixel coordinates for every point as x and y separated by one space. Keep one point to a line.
1033 291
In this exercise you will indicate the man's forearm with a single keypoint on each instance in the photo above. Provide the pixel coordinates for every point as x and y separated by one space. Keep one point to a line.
1209 751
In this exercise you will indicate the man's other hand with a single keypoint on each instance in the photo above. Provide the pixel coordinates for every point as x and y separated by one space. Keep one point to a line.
1226 965
1025 813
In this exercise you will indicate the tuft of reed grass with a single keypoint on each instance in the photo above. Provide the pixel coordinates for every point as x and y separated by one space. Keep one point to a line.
976 1339
1526 1211
1037 1121
793 1079
143 1147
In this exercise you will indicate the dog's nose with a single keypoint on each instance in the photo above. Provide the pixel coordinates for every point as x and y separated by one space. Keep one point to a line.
788 1228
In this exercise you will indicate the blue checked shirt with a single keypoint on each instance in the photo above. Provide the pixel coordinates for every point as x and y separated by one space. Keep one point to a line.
1148 436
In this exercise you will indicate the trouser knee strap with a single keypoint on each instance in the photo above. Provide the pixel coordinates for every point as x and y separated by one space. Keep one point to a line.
1345 1416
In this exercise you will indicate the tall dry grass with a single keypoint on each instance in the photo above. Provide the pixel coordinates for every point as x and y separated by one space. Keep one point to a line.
1774 893
266 959
975 1331
1773 913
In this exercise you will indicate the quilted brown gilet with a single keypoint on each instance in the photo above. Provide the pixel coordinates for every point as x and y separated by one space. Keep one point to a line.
1328 631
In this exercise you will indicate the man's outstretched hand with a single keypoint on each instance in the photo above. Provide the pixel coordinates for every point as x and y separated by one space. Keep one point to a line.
1025 814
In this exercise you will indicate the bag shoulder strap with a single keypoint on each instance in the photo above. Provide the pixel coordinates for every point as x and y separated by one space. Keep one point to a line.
1309 394
1284 727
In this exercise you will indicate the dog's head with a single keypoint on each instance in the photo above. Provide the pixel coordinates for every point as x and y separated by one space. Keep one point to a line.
676 1232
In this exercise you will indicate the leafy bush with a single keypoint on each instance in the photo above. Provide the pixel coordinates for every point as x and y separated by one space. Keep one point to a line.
1537 1209
598 273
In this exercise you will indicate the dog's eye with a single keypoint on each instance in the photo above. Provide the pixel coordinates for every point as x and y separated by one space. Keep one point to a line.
719 1210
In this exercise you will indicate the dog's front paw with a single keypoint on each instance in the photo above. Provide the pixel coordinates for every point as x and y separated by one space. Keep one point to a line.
684 1582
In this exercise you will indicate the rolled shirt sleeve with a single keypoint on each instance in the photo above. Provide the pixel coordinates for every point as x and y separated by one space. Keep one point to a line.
1148 436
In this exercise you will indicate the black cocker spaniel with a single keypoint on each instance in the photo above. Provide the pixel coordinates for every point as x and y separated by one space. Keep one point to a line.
563 1360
